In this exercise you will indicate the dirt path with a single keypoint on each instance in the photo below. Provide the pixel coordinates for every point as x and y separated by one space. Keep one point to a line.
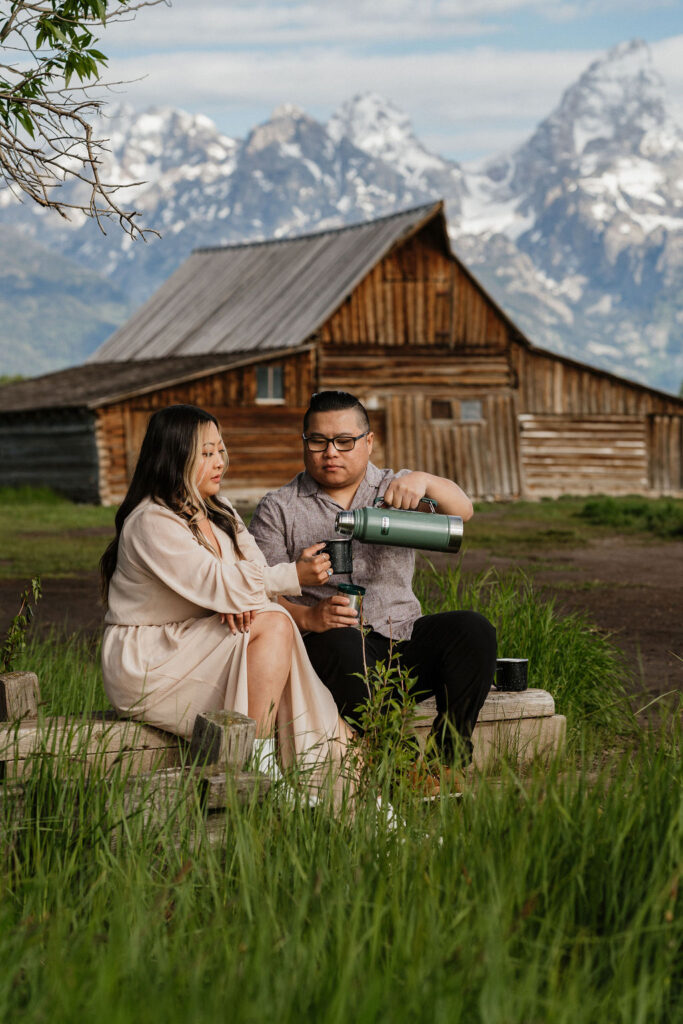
633 590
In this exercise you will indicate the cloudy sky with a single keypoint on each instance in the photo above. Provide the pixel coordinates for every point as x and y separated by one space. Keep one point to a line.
475 76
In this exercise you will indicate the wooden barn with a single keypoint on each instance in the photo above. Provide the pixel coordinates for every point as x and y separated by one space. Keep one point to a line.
383 309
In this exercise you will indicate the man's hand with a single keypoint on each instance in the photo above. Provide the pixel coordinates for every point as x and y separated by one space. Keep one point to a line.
238 622
332 613
313 568
407 491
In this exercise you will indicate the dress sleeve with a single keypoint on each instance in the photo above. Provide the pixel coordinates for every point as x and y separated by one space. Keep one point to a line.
162 546
269 530
277 574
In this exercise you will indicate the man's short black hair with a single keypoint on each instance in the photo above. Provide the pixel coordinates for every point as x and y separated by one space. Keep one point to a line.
335 401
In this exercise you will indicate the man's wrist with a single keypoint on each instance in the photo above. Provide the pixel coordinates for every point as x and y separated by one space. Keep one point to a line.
301 614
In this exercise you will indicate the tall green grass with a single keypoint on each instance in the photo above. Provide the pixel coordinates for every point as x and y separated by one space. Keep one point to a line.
553 896
69 672
583 670
550 898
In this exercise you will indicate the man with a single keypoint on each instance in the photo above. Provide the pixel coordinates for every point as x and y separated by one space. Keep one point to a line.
452 654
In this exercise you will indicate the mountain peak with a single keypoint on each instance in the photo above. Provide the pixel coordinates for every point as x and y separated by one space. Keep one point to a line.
378 127
284 126
371 122
288 111
618 100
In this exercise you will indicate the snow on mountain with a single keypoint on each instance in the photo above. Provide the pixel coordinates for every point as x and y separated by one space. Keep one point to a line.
577 232
595 199
374 125
610 142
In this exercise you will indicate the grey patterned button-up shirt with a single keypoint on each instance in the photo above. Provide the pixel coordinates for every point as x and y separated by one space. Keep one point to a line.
299 514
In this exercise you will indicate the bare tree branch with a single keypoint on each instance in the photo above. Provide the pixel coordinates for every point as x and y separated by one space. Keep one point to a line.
47 143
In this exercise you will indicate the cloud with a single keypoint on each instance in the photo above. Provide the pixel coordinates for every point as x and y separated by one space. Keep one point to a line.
449 63
477 92
375 24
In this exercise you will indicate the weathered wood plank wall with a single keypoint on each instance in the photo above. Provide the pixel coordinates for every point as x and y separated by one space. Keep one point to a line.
547 384
417 296
54 448
665 450
583 454
584 432
263 440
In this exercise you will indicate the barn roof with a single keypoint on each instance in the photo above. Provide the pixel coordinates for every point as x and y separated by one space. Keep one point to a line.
95 384
259 296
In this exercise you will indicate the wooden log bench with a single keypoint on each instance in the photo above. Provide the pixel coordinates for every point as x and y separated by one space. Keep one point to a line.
516 727
157 765
160 772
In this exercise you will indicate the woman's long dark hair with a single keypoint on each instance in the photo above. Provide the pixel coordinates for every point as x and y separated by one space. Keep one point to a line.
165 473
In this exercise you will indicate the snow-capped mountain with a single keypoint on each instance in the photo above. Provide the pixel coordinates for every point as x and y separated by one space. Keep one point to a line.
595 199
374 125
578 233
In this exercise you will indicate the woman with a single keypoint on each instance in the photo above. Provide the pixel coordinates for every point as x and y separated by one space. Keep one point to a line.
192 620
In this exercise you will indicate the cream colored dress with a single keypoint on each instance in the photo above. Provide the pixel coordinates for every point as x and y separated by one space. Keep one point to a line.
166 656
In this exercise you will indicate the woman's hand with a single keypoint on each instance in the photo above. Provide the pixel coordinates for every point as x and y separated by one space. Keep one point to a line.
313 567
238 622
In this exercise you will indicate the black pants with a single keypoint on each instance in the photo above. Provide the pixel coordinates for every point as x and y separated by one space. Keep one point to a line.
452 656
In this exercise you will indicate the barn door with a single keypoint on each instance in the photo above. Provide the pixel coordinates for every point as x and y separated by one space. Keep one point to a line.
665 453
434 433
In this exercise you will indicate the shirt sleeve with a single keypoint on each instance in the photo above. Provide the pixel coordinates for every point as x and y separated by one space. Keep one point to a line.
269 530
162 546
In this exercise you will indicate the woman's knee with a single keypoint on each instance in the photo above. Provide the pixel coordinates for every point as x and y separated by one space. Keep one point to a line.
275 625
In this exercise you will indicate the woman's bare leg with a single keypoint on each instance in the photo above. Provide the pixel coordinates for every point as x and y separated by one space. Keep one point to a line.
269 659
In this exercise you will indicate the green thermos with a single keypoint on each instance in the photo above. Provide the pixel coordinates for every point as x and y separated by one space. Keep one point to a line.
402 528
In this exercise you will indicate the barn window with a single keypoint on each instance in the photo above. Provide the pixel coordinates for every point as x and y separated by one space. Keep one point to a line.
441 409
269 384
470 410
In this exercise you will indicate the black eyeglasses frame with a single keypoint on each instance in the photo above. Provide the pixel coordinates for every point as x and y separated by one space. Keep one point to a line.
333 441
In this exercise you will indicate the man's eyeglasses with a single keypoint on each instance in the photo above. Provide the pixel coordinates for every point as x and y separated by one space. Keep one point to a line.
342 442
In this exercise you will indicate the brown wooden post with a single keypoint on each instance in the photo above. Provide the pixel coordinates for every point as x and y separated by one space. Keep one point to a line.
19 696
223 738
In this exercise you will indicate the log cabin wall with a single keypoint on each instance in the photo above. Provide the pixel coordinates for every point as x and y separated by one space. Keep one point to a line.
585 432
263 438
566 454
50 448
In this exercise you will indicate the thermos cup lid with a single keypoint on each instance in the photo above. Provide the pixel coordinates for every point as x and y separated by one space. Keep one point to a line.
351 588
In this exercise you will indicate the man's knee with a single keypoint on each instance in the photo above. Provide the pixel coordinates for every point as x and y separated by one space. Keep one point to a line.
481 632
458 627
